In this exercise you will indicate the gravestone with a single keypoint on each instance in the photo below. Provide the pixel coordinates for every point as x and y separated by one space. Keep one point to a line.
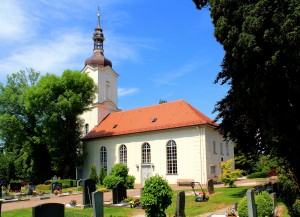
251 203
180 204
56 186
89 186
79 182
30 188
98 208
119 193
49 210
210 186
274 200
15 187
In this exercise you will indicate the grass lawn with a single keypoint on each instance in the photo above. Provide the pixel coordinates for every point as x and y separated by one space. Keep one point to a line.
222 198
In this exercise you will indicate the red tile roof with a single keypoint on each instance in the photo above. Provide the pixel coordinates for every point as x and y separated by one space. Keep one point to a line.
157 117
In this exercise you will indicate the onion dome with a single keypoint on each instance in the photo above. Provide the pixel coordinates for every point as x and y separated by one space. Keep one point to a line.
98 59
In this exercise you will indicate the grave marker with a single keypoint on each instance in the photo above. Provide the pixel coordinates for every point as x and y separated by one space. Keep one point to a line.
56 186
49 210
180 204
98 208
119 193
89 186
251 203
210 186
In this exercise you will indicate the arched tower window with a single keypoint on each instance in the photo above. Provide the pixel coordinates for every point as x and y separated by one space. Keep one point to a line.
103 158
214 147
123 154
146 153
171 157
107 90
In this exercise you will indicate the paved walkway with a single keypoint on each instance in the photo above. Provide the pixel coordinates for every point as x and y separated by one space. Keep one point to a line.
107 197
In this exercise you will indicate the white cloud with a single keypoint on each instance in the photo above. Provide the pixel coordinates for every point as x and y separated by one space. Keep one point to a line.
52 56
15 23
127 91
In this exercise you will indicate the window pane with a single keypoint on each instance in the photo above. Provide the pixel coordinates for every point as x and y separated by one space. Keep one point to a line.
171 157
123 154
146 153
103 158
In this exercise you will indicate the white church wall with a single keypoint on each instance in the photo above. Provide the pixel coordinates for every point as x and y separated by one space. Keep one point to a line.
191 153
215 155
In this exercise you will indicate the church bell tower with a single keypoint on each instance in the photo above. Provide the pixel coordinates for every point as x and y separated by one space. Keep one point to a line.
99 68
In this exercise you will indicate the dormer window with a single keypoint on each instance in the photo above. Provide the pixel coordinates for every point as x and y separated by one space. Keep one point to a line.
154 120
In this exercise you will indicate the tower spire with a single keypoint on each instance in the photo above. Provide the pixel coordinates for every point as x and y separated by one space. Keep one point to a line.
98 58
98 36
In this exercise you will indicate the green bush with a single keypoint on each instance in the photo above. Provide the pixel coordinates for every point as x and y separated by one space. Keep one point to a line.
120 170
110 181
261 174
242 208
296 208
102 175
93 173
119 173
130 181
43 187
156 196
264 205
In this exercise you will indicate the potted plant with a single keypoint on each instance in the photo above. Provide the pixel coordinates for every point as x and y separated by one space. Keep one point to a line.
231 212
73 202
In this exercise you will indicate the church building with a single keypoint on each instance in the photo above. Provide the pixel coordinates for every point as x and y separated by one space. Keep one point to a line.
173 139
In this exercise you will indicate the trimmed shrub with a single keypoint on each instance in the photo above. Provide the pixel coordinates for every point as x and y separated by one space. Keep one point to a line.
43 187
110 181
264 205
93 173
120 170
156 196
261 174
102 175
130 181
242 208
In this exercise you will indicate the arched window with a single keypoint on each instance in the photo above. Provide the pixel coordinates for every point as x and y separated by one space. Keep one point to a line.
123 154
146 153
221 148
86 128
171 157
103 158
214 147
107 90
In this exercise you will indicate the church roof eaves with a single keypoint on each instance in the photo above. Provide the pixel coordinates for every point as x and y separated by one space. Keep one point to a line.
163 116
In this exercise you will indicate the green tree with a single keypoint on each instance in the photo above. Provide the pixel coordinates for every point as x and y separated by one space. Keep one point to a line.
61 100
39 124
261 64
156 196
229 176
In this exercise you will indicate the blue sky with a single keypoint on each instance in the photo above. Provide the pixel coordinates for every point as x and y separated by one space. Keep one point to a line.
161 49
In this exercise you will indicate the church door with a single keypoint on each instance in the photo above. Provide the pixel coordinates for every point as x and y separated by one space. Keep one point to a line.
146 172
